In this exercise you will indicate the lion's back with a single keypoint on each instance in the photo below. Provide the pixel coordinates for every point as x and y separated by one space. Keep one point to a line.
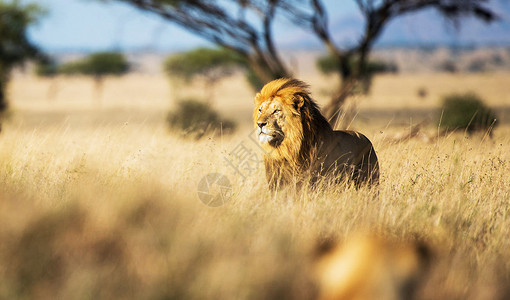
347 145
351 148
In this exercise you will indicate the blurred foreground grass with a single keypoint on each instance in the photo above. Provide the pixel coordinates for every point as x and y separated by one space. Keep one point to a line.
101 202
112 212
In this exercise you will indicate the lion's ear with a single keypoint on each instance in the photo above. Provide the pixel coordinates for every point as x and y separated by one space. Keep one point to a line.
299 101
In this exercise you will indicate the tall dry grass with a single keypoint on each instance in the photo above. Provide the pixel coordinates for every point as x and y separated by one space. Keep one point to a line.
115 213
111 210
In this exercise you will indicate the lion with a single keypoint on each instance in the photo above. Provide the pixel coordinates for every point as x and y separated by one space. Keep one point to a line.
368 267
299 143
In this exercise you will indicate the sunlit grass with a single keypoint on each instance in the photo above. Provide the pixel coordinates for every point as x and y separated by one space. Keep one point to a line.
111 210
125 197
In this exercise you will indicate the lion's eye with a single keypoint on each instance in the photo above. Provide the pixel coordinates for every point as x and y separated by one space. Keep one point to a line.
260 110
276 111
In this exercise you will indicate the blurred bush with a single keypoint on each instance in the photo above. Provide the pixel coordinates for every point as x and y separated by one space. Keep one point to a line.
468 112
422 92
477 66
194 118
448 66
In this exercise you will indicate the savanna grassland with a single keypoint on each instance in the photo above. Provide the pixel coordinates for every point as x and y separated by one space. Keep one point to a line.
99 199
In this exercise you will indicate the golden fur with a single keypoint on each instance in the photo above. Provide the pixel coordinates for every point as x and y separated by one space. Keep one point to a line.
367 267
299 142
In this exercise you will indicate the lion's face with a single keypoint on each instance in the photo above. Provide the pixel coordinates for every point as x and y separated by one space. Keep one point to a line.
274 120
270 122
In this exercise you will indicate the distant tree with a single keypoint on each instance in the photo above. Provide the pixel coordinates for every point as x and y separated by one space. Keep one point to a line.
49 68
477 65
15 48
328 65
46 68
209 65
246 27
448 66
98 65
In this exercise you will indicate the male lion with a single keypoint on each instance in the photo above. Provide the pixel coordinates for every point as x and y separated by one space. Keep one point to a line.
300 144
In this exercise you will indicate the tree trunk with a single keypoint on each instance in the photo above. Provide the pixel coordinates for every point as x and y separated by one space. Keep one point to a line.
264 71
4 79
53 88
3 99
209 89
98 90
351 75
334 111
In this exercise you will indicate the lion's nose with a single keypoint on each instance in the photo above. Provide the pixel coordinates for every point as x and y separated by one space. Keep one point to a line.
261 124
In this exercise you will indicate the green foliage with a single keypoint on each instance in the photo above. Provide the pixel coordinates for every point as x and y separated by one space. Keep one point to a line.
468 112
195 118
329 64
98 64
46 68
72 68
106 63
376 67
211 63
15 48
253 79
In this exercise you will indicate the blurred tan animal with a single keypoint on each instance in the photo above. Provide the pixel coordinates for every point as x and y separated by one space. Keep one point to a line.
299 142
368 267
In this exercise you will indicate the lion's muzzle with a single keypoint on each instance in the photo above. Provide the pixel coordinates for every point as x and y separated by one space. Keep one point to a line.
267 135
263 133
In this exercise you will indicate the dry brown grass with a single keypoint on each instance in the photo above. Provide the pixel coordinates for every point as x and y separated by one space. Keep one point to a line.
101 202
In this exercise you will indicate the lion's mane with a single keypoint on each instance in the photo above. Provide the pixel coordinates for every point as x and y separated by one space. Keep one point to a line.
308 136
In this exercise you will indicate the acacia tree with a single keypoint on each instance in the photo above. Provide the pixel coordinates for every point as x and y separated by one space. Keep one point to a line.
245 26
210 65
98 65
15 48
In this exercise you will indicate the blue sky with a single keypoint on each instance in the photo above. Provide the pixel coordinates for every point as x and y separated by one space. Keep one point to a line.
92 25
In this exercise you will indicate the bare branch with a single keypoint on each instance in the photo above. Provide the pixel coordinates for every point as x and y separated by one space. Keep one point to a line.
245 26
